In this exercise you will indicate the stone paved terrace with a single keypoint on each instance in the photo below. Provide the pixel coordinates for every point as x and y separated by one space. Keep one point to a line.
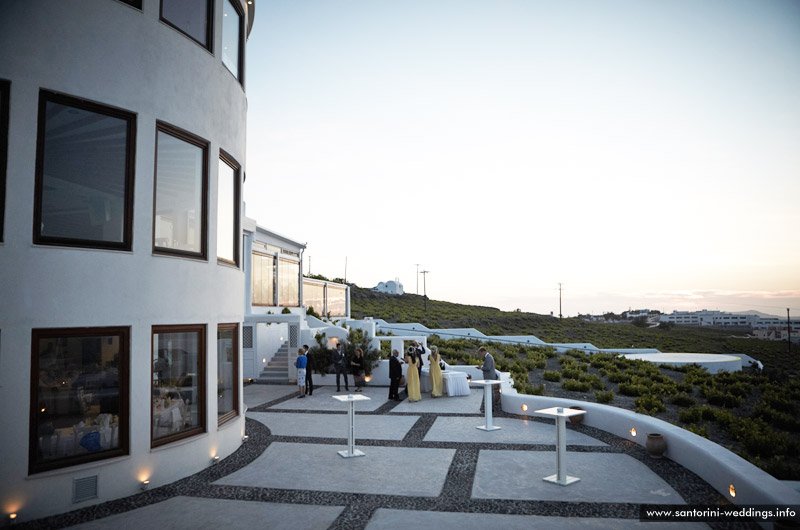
426 467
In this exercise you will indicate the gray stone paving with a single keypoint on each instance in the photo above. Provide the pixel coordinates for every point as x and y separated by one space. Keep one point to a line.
322 400
423 480
460 429
197 513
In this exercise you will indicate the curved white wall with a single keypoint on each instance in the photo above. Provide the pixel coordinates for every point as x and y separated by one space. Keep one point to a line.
108 52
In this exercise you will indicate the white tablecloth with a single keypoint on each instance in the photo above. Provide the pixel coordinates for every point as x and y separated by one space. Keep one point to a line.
455 383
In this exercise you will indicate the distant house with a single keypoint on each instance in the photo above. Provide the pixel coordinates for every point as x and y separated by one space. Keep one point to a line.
390 287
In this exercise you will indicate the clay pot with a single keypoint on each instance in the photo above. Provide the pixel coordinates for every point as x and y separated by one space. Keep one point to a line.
576 420
655 445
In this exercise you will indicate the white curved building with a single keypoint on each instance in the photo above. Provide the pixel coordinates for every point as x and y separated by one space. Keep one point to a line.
122 149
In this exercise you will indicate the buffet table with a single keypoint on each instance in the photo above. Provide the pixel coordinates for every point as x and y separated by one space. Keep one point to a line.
455 383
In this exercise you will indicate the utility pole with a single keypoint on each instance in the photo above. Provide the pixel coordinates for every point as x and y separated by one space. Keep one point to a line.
345 269
417 264
559 300
309 265
788 331
425 287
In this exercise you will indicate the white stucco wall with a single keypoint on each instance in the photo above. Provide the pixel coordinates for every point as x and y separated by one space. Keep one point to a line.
115 55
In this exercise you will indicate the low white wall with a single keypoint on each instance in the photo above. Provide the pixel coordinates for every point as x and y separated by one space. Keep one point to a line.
712 462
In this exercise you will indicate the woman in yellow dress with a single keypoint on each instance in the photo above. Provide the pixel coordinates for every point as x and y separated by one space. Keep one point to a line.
436 372
412 376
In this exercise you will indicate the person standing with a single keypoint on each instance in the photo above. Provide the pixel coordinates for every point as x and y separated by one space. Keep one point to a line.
419 351
488 365
395 373
300 364
340 366
436 373
309 369
357 366
412 375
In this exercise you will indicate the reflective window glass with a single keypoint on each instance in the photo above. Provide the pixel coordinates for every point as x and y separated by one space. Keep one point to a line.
288 278
227 372
228 213
80 405
337 300
231 37
181 177
192 17
84 174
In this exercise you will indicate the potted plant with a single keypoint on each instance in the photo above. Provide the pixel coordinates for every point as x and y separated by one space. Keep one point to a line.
655 445
578 418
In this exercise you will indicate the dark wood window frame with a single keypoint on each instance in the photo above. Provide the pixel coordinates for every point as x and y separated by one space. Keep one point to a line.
5 98
192 139
228 416
274 281
124 335
237 200
133 3
201 329
241 39
209 25
46 96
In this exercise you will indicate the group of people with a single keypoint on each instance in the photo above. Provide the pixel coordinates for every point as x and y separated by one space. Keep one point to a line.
356 366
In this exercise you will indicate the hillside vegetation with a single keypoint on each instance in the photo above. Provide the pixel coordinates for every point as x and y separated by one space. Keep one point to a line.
492 321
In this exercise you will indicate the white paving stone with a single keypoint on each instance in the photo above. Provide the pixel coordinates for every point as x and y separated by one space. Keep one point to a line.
256 394
318 467
367 426
470 404
385 519
516 431
322 399
605 477
194 513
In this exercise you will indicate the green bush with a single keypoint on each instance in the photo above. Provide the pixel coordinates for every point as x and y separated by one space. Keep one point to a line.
571 373
630 389
649 405
604 397
701 430
618 377
692 415
682 400
552 375
573 385
686 388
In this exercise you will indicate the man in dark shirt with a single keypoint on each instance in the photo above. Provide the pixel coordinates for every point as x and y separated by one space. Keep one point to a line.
309 368
340 366
395 373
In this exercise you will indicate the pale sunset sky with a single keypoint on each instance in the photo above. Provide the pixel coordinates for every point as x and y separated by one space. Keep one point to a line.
644 153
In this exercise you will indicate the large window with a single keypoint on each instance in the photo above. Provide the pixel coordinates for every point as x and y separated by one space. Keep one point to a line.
233 37
263 279
180 220
289 281
79 396
337 300
228 210
179 390
227 372
5 90
84 174
191 17
314 296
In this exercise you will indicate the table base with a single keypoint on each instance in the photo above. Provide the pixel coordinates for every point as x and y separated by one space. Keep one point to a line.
567 482
347 454
491 428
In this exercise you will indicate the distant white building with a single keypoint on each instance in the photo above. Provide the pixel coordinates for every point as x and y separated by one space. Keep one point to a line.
390 287
723 319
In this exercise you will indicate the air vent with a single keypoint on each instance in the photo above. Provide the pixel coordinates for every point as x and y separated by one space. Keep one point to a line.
84 489
247 337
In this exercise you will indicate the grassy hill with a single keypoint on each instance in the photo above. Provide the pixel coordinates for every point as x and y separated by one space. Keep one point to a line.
492 321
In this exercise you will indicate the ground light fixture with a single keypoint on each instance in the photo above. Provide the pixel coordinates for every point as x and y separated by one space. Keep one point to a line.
524 407
12 517
732 490
633 431
245 438
145 484
215 460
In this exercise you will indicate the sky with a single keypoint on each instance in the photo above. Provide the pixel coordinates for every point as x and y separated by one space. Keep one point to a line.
643 154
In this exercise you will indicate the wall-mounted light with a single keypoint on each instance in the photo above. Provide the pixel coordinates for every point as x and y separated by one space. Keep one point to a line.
633 431
145 484
524 407
263 360
732 490
12 517
215 460
245 438
367 379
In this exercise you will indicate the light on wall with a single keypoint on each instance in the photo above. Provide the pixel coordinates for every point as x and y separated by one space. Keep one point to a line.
12 517
732 491
633 431
145 484
524 407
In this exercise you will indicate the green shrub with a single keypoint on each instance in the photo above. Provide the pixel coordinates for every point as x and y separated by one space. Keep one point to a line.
701 430
552 375
618 377
649 405
630 389
571 373
682 400
574 385
692 415
604 397
686 388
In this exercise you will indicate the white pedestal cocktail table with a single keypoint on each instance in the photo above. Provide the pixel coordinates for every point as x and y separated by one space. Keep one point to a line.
487 402
351 399
561 414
